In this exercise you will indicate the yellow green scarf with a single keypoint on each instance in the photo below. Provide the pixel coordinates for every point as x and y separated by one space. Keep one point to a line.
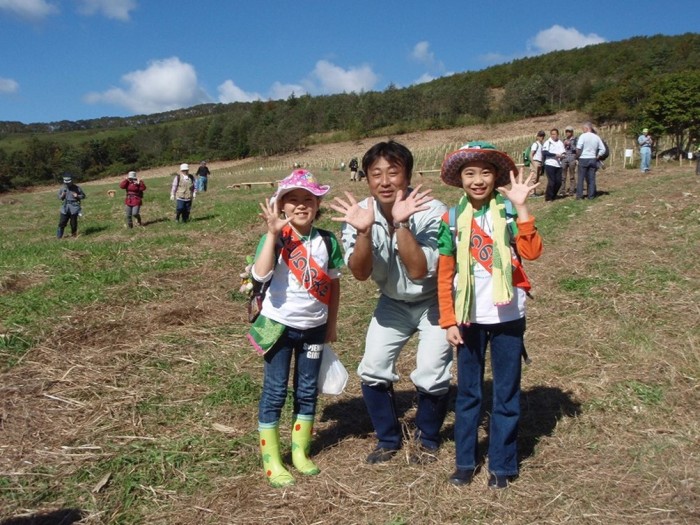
502 275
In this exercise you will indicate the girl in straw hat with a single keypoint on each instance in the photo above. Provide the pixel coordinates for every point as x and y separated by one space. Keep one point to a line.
481 293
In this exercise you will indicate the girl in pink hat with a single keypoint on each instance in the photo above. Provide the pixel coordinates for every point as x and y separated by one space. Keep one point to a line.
299 314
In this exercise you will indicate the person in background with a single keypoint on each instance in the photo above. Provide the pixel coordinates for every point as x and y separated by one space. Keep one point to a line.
353 165
299 314
71 195
537 158
568 163
134 197
553 150
482 289
202 176
391 237
183 192
645 144
589 147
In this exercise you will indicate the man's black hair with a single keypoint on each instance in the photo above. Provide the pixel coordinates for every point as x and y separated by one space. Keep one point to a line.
393 152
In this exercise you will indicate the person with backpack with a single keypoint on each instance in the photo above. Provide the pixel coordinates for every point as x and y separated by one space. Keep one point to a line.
391 238
553 150
183 191
71 195
134 198
537 158
353 165
482 289
299 314
589 150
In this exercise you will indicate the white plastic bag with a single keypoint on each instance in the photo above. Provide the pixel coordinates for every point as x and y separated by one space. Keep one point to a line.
332 377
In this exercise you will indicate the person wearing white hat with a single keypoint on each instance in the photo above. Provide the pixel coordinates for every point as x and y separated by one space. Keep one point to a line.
645 143
134 197
183 191
71 195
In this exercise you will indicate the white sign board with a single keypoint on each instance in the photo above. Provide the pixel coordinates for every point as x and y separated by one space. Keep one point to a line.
628 153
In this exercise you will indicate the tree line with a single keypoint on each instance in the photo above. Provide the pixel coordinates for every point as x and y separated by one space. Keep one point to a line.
649 82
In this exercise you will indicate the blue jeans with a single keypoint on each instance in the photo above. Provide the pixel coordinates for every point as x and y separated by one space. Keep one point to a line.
305 346
645 154
182 209
506 341
201 183
587 169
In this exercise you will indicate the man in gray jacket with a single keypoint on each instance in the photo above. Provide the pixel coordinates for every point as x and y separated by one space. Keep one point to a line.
71 195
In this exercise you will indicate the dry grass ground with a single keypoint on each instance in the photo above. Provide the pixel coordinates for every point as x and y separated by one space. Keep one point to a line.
140 406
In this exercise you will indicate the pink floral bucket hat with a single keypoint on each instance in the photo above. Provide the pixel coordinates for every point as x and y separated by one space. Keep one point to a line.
300 180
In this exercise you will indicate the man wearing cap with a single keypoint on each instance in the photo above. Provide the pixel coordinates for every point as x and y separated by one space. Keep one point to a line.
536 157
134 197
645 143
392 238
568 163
71 195
183 191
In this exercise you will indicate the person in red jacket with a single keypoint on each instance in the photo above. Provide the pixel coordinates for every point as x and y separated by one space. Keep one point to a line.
481 296
134 197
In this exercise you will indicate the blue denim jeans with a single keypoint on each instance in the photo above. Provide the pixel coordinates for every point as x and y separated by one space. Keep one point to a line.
182 210
506 340
587 169
645 154
305 346
201 183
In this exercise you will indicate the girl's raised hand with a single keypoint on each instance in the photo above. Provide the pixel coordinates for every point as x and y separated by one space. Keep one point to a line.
519 190
271 215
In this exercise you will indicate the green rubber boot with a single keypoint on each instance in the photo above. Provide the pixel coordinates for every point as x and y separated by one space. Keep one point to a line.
277 475
301 445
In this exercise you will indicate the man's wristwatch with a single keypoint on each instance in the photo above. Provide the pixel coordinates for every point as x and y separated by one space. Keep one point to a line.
398 225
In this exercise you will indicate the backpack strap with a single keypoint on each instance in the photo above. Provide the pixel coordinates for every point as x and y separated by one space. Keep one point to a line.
326 236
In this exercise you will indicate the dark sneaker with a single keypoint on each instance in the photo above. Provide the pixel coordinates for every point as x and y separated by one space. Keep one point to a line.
461 477
380 455
497 481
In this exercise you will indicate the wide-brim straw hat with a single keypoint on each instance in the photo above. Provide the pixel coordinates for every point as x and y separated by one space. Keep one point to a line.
451 172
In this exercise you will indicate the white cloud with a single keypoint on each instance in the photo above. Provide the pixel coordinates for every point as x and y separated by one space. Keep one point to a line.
425 77
561 38
280 91
8 86
335 79
230 92
29 9
116 9
163 86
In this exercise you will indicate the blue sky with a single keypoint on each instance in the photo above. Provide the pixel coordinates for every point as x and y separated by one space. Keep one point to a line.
83 59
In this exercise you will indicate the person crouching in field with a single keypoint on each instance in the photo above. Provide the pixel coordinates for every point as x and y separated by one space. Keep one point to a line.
481 292
134 197
71 195
299 314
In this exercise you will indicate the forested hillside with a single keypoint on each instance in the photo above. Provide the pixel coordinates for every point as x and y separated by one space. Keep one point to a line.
654 81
